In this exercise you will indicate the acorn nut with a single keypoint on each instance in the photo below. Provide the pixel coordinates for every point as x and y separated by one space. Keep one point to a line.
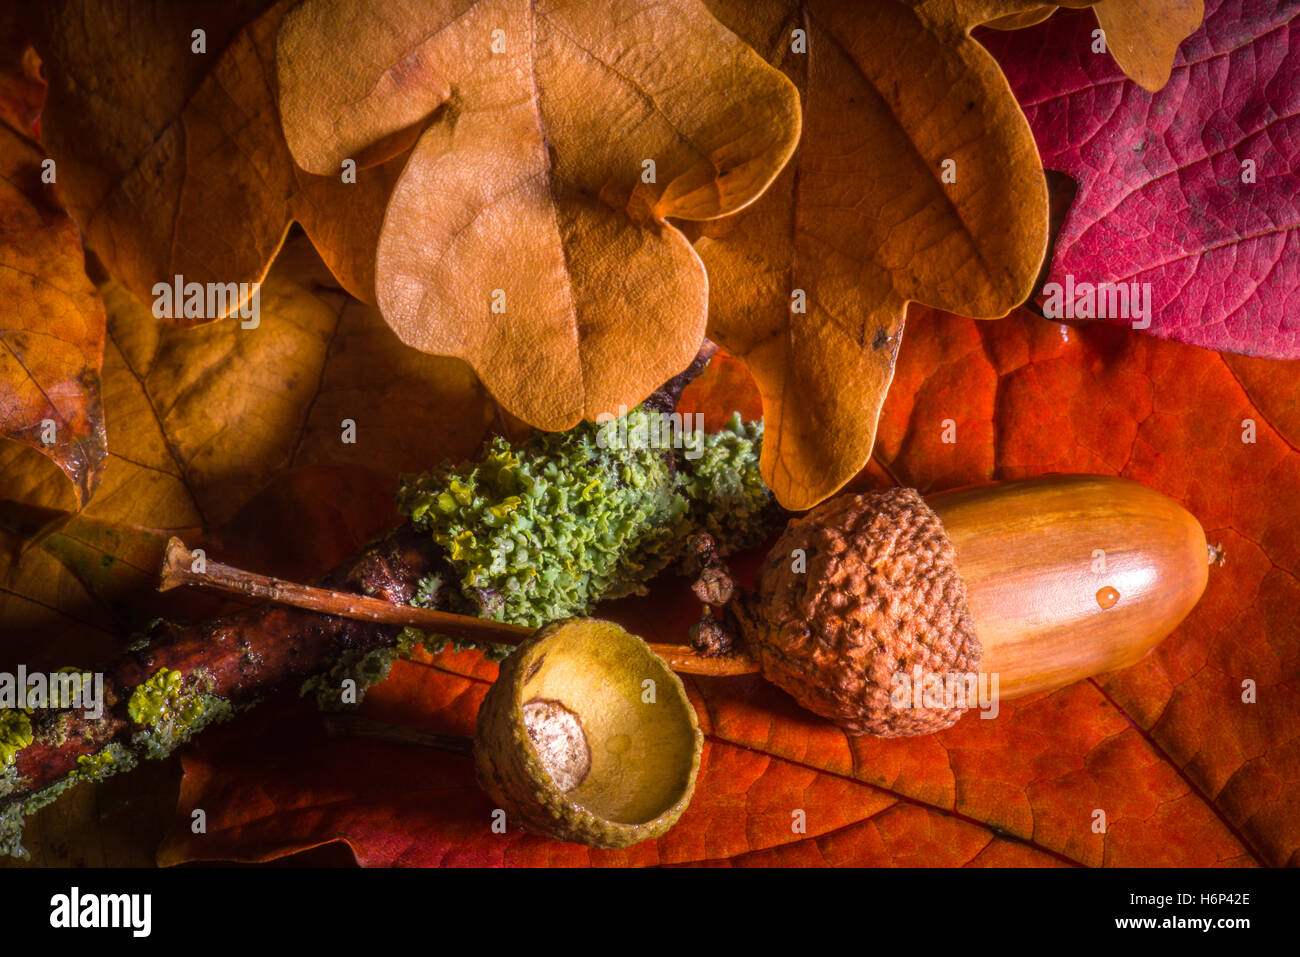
1033 584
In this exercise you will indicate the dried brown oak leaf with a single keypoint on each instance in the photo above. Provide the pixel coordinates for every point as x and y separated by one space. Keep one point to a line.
527 233
51 335
172 160
917 180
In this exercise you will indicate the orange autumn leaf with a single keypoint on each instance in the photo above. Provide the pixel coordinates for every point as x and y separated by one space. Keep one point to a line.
52 334
527 233
905 188
1141 35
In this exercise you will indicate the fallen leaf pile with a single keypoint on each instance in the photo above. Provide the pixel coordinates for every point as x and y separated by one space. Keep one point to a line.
553 204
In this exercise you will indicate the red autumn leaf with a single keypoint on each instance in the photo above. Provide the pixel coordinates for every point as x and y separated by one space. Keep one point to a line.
1186 772
1194 189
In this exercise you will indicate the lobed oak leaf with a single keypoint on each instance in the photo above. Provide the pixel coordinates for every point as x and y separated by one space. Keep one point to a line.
527 233
908 186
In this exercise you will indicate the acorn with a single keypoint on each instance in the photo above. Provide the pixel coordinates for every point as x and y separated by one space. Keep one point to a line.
587 736
1035 584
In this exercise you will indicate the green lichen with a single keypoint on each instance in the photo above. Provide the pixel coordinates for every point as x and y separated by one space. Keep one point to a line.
11 831
408 639
140 641
543 532
171 712
54 732
162 699
14 815
15 734
435 644
430 592
110 760
726 492
365 669
369 668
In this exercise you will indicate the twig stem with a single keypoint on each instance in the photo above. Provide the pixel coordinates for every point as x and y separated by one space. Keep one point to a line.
181 568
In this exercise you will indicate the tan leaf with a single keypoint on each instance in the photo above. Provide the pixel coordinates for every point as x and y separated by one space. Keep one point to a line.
1143 35
51 339
863 220
526 233
221 408
182 168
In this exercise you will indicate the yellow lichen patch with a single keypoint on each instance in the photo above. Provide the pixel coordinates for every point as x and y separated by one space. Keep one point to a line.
15 734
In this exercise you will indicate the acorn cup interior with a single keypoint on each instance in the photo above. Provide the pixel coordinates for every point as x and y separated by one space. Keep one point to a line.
588 736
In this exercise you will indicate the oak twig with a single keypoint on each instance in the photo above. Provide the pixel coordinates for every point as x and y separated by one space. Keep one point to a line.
179 569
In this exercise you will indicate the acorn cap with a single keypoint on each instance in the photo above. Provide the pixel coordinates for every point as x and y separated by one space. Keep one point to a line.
880 597
576 743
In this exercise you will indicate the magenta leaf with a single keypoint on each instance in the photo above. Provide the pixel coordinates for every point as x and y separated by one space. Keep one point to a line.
1194 189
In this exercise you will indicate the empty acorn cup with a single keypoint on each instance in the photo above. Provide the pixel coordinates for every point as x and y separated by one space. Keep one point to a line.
587 736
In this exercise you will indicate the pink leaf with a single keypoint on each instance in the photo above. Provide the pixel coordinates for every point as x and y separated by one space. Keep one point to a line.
1164 179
